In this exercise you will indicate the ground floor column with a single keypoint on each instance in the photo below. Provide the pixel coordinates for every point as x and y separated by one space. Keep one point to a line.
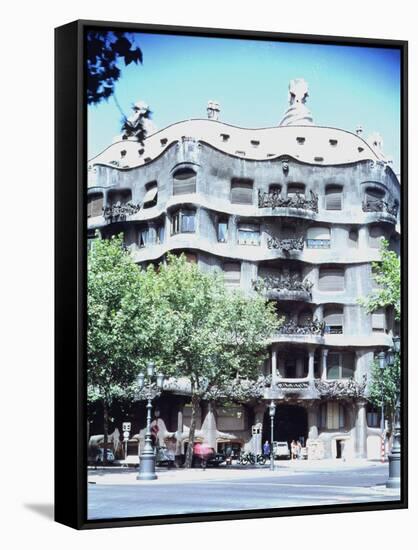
361 429
274 374
257 428
313 420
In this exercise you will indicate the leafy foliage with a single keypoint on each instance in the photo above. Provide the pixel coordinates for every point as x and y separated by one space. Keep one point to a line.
387 275
388 383
104 51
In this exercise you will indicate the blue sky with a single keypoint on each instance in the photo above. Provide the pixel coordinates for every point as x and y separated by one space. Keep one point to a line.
249 78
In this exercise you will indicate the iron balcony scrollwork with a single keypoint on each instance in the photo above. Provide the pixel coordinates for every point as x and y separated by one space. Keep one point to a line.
341 389
313 327
118 212
389 207
286 245
286 285
275 200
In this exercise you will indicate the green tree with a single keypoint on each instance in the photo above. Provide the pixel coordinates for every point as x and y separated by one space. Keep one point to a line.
125 323
387 275
217 335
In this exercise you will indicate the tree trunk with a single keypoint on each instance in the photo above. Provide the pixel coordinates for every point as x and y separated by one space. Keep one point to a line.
105 431
189 453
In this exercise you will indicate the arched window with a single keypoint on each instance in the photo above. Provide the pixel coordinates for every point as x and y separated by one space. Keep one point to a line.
294 189
331 279
374 194
184 181
318 237
334 319
333 197
94 205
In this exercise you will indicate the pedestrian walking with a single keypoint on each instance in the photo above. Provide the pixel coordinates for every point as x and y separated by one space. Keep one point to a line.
293 449
266 448
299 450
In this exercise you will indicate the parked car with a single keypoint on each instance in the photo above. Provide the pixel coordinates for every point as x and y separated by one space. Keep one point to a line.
281 449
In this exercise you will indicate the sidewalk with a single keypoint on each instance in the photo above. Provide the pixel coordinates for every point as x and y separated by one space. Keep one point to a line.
127 476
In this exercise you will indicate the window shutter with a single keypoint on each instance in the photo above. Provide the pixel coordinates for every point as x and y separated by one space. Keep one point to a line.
331 280
295 188
318 233
379 320
334 318
242 192
184 181
333 416
333 198
232 274
95 206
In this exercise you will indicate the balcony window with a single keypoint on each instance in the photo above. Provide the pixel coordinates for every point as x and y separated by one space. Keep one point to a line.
160 233
232 274
184 181
333 197
275 189
95 205
151 195
294 189
249 234
184 221
318 237
334 320
222 231
305 317
241 191
119 196
374 194
331 279
340 365
353 238
143 237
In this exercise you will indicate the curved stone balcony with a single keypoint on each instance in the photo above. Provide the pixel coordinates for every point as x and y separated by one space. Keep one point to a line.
286 245
308 333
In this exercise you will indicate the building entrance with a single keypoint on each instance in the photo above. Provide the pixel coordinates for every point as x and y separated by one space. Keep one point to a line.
290 423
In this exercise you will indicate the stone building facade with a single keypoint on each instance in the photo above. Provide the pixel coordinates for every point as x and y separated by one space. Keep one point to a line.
297 210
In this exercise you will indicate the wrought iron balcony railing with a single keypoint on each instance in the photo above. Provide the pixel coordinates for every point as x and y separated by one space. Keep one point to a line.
286 245
275 200
313 327
377 205
285 283
118 212
341 389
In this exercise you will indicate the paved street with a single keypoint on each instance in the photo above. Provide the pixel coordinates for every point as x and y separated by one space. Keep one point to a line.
117 494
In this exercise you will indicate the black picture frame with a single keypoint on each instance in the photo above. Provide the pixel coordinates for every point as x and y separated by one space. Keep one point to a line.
70 274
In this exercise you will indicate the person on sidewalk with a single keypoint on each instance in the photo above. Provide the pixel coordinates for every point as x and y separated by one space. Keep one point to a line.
293 450
299 450
266 449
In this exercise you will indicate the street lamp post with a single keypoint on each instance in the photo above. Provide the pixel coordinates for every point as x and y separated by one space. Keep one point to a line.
382 364
272 411
147 457
394 480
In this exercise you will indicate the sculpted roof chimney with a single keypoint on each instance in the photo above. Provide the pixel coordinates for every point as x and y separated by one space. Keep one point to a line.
213 110
297 114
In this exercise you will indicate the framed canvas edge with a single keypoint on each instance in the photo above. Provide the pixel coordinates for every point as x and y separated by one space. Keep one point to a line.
70 276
